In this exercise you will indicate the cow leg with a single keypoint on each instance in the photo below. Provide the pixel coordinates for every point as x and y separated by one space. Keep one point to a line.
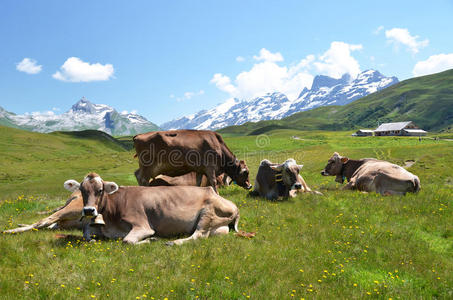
220 230
138 235
199 178
197 234
350 185
142 177
209 223
212 180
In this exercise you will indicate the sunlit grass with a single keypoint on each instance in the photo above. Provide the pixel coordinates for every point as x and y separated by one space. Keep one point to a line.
343 245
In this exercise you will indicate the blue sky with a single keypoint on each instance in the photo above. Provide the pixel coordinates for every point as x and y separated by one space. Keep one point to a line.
167 59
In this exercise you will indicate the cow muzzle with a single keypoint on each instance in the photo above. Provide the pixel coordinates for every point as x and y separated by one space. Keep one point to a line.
297 186
324 173
89 211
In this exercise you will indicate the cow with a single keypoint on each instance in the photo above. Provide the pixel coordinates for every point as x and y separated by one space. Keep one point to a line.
178 152
138 213
279 180
371 175
65 217
188 179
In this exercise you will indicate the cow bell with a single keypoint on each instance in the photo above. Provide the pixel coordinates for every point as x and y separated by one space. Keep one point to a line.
98 221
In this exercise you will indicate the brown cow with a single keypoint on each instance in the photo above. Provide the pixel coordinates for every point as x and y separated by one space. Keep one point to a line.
279 180
371 175
65 217
188 179
137 213
178 152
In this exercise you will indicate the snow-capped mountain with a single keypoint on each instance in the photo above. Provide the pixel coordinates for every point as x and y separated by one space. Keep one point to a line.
324 91
82 115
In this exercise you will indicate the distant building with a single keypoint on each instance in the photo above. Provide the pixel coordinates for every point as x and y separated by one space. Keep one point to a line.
399 128
413 132
363 132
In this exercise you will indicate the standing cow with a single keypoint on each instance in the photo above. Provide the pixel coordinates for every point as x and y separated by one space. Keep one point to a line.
137 213
178 152
371 175
279 180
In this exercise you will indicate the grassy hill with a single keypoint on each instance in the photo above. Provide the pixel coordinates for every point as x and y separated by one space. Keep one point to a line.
37 161
427 100
345 244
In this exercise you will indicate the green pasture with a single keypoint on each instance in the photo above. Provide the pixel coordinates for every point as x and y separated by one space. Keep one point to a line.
345 244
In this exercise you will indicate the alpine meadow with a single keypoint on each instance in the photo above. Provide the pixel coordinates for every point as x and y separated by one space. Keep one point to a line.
226 150
344 244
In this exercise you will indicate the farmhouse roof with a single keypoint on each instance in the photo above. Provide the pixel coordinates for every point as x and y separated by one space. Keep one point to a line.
392 126
415 130
365 130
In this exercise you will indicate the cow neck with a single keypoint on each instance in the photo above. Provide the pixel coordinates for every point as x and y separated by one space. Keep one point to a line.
232 168
278 175
102 205
230 162
350 167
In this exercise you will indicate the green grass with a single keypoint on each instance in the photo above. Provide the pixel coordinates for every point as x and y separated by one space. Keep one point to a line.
426 100
343 245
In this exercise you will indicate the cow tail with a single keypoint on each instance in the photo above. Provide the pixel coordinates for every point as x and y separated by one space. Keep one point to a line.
233 226
240 233
416 185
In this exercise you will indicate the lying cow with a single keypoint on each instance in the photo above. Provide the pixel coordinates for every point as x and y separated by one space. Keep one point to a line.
137 213
178 152
372 175
65 217
189 179
279 180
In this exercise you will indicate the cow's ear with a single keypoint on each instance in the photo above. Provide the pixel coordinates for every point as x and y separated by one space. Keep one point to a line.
344 160
300 166
110 187
71 185
277 168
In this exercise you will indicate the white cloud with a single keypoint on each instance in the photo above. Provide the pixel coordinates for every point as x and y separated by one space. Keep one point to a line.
28 66
76 70
402 36
434 64
240 59
378 30
55 109
188 95
338 60
266 55
268 76
223 83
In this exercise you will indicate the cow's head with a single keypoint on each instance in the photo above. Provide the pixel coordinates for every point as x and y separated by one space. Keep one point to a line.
290 173
242 176
334 167
92 189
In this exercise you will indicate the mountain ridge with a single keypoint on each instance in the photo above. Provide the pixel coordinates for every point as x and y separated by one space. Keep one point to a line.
425 100
325 90
83 115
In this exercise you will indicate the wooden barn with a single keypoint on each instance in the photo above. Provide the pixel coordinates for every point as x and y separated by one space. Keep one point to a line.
399 128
